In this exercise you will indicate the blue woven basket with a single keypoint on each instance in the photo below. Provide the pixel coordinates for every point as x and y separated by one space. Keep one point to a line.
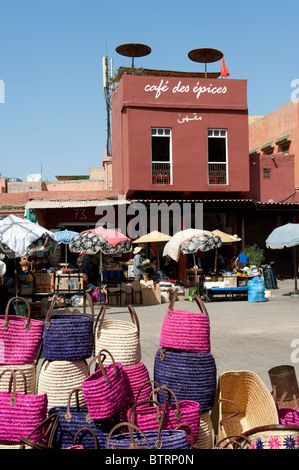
68 337
191 376
162 439
74 418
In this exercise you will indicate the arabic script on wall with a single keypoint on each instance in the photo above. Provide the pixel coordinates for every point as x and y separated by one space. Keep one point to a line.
198 89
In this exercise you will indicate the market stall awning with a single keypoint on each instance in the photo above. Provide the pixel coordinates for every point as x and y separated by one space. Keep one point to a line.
60 204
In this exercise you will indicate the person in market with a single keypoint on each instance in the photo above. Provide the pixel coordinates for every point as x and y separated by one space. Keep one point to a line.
86 267
138 263
153 268
241 261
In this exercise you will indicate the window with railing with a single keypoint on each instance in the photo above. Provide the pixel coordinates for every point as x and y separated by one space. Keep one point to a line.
161 155
217 156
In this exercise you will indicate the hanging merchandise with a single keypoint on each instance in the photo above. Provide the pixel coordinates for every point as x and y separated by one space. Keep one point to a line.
105 390
120 338
186 331
20 337
20 413
69 337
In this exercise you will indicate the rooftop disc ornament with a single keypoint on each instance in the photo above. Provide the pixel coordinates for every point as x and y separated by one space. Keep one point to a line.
133 50
205 56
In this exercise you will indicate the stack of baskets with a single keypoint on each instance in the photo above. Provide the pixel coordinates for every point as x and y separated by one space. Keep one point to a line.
20 339
67 344
122 340
185 364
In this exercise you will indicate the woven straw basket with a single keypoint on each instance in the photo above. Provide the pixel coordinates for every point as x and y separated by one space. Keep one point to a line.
29 371
191 376
59 378
186 331
205 434
20 337
120 338
244 403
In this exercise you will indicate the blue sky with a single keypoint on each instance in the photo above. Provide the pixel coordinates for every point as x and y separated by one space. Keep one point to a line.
54 116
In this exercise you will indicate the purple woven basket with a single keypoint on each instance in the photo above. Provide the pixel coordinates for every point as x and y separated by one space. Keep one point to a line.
69 337
105 390
191 376
21 413
20 337
186 331
161 439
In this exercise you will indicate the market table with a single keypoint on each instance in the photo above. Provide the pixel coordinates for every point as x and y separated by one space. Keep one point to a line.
231 291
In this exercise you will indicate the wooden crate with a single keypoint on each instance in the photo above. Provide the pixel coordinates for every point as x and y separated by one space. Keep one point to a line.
69 283
44 282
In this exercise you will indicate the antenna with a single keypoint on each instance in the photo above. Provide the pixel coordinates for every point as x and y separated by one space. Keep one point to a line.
107 74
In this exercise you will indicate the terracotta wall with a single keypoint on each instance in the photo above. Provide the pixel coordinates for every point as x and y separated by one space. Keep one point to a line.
281 122
139 104
271 177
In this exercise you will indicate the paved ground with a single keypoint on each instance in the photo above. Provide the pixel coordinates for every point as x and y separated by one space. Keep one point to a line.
244 335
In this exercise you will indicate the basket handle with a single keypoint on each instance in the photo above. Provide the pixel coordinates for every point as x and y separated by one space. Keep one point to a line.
161 417
107 380
199 302
68 414
51 308
186 425
51 422
13 382
131 426
143 385
102 313
235 440
6 323
91 432
230 416
178 413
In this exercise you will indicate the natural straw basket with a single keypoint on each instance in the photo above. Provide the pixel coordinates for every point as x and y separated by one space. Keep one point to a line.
58 378
120 338
184 330
244 403
29 371
205 433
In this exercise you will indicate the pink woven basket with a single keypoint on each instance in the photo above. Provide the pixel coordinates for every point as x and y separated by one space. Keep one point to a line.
20 337
105 390
148 417
288 411
135 376
186 331
21 413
